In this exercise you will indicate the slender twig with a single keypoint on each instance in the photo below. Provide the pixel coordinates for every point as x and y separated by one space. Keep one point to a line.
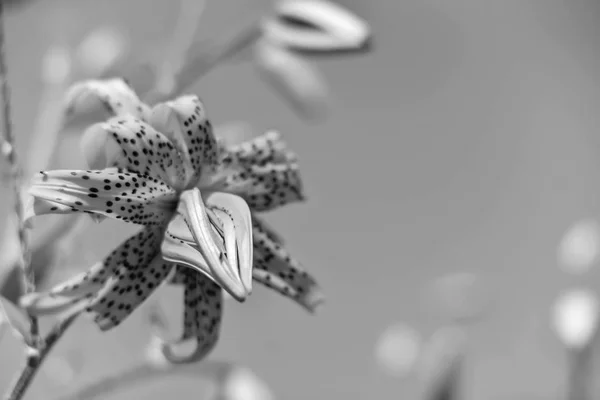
214 370
186 26
207 55
35 359
8 149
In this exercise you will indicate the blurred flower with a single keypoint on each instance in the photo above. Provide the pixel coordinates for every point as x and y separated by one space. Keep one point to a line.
579 247
398 349
306 26
164 169
316 26
575 317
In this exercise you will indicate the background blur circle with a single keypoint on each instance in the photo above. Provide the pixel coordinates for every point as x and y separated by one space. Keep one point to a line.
243 384
579 247
575 317
101 49
397 349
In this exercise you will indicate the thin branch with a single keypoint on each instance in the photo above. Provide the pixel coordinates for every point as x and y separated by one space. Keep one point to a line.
207 55
8 149
186 26
35 359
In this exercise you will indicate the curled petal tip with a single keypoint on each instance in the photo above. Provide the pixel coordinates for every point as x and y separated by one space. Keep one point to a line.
238 292
247 281
170 354
314 300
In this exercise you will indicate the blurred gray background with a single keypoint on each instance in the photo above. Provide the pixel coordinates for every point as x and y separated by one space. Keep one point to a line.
468 141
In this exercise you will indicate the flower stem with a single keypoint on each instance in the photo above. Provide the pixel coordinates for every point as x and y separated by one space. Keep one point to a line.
207 55
8 150
35 359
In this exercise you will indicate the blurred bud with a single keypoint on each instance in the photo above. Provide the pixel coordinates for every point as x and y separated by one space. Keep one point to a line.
316 26
459 297
16 319
56 65
243 384
575 317
100 50
297 81
579 247
398 349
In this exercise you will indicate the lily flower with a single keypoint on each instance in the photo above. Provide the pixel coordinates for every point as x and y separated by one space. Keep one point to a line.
196 198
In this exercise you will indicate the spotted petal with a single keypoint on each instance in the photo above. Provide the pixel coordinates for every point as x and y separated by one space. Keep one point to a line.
130 285
260 223
115 96
207 252
128 196
202 315
268 186
266 148
85 285
127 142
184 121
275 268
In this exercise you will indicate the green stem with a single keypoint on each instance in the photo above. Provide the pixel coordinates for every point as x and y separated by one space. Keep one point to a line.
8 150
207 55
34 360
